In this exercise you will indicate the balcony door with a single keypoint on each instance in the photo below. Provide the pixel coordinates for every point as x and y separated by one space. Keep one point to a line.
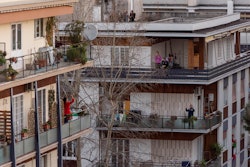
120 56
42 103
18 115
16 30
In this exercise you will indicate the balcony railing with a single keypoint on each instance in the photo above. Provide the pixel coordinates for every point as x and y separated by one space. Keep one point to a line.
36 63
176 74
46 138
164 124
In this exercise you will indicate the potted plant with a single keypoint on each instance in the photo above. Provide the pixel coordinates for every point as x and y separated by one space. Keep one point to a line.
47 125
2 138
216 150
2 57
24 132
77 53
10 73
153 118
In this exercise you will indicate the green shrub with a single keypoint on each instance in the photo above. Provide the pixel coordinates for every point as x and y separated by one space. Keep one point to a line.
77 53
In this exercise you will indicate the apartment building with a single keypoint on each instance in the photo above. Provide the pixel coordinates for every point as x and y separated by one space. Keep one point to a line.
30 87
208 70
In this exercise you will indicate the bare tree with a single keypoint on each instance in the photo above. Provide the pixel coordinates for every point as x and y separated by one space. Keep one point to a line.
115 76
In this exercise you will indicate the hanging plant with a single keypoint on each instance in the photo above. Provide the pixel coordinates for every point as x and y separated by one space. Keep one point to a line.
51 98
2 57
51 22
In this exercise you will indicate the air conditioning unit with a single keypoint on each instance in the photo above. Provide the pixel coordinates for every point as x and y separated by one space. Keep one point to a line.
101 91
29 86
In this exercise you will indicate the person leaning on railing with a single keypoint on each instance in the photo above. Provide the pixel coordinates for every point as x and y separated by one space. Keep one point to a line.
67 112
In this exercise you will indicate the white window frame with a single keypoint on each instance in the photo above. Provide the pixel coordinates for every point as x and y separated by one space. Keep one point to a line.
70 150
38 28
18 115
16 31
120 57
44 161
42 103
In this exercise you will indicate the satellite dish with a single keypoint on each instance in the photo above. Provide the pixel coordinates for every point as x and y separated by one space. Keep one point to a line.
90 32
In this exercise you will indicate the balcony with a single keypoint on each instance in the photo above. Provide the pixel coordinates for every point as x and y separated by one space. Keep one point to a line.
35 67
48 140
163 124
174 75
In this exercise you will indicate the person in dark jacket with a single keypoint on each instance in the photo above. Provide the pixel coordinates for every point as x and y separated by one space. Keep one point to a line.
190 111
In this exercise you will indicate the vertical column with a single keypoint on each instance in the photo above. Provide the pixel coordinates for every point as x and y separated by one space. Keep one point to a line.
37 129
201 52
237 134
246 101
237 43
220 106
12 146
59 123
230 108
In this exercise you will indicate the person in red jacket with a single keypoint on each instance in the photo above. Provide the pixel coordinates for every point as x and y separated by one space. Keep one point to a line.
67 112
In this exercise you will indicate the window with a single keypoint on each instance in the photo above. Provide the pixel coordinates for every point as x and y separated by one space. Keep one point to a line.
120 56
120 156
70 150
242 85
234 88
38 28
16 36
44 161
225 90
18 115
42 103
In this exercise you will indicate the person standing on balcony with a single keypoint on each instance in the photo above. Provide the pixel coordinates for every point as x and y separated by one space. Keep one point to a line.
190 111
158 59
132 16
67 112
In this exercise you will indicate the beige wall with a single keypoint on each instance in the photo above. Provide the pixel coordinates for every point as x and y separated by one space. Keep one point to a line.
51 160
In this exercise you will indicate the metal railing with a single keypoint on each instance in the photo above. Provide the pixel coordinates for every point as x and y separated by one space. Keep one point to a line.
36 63
46 138
161 122
174 73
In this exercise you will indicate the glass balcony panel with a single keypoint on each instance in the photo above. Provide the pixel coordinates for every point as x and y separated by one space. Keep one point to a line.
43 139
19 148
4 153
75 126
65 130
164 123
46 138
52 136
85 122
29 144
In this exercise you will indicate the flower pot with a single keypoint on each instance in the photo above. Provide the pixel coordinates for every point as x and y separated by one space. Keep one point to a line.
46 127
24 135
13 77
